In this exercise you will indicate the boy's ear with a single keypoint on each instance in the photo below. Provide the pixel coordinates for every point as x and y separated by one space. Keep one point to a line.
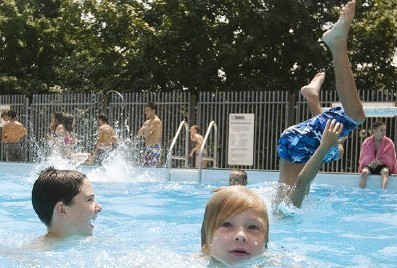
59 209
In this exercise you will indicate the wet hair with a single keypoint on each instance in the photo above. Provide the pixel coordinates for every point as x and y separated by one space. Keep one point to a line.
68 121
103 117
12 114
228 202
152 106
377 124
58 119
197 128
241 174
53 186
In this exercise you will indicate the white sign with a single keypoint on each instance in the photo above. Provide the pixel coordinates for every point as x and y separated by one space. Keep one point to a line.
3 108
241 139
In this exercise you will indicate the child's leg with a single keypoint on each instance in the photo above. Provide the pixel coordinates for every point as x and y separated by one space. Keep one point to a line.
385 177
363 177
336 40
311 93
289 172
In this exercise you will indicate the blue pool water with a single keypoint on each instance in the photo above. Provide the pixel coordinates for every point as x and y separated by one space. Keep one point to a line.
149 222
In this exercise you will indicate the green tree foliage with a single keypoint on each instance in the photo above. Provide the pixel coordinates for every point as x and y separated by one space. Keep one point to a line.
195 45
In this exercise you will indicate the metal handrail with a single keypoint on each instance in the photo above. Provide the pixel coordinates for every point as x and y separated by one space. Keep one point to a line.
213 158
170 156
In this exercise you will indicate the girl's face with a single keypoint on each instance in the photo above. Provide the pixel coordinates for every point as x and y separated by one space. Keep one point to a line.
239 238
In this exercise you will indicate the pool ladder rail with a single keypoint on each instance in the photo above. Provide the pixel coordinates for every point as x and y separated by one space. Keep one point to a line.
183 125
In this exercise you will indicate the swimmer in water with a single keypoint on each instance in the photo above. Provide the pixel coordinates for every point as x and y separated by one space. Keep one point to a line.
304 147
64 201
235 227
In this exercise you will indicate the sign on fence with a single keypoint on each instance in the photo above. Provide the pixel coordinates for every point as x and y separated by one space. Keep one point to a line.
241 139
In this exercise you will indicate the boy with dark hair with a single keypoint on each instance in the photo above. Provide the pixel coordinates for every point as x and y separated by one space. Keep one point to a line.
152 130
64 201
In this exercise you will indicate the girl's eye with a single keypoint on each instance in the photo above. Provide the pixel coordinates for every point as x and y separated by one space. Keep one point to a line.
254 227
226 224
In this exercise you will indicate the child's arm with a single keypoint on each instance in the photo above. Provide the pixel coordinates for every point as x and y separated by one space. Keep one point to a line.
330 138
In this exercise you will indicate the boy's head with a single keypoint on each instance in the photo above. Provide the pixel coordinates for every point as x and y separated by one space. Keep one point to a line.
103 119
195 129
65 198
150 109
11 114
238 177
225 213
379 130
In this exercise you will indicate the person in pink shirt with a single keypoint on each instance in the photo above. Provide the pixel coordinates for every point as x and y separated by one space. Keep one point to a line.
378 155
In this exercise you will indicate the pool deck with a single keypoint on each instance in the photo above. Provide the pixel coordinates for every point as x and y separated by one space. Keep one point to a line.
210 176
216 176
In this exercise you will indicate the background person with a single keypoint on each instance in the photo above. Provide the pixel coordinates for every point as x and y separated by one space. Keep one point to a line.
377 156
64 201
235 227
12 133
197 139
151 131
61 134
106 141
238 177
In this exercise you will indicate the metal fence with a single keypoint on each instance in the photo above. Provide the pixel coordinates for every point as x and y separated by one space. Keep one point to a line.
274 111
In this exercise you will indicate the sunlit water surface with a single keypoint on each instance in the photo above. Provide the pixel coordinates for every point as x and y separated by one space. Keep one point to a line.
149 222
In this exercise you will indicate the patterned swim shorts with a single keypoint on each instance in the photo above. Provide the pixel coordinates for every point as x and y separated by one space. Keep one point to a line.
299 142
151 156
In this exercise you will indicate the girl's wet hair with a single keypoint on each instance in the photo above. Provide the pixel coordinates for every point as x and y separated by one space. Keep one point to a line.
228 202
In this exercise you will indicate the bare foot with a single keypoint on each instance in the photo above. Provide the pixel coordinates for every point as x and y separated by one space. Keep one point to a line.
339 32
311 92
314 87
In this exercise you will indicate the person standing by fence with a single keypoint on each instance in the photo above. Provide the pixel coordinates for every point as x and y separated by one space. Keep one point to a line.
197 139
107 139
12 133
152 131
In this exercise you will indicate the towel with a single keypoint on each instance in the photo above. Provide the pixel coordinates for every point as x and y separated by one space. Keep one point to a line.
386 153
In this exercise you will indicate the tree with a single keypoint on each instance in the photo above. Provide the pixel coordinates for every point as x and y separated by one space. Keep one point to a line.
195 45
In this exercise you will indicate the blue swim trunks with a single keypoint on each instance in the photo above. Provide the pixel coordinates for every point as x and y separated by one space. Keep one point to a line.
299 142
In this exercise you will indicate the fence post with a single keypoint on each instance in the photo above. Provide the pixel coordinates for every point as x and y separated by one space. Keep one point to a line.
291 109
192 108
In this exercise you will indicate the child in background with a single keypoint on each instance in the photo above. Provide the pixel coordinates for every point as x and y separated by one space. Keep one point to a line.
235 227
238 177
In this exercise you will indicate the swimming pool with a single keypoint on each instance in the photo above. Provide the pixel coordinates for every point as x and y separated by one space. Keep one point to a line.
148 221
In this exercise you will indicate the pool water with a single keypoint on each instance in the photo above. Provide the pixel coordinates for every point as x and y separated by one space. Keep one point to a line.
147 221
